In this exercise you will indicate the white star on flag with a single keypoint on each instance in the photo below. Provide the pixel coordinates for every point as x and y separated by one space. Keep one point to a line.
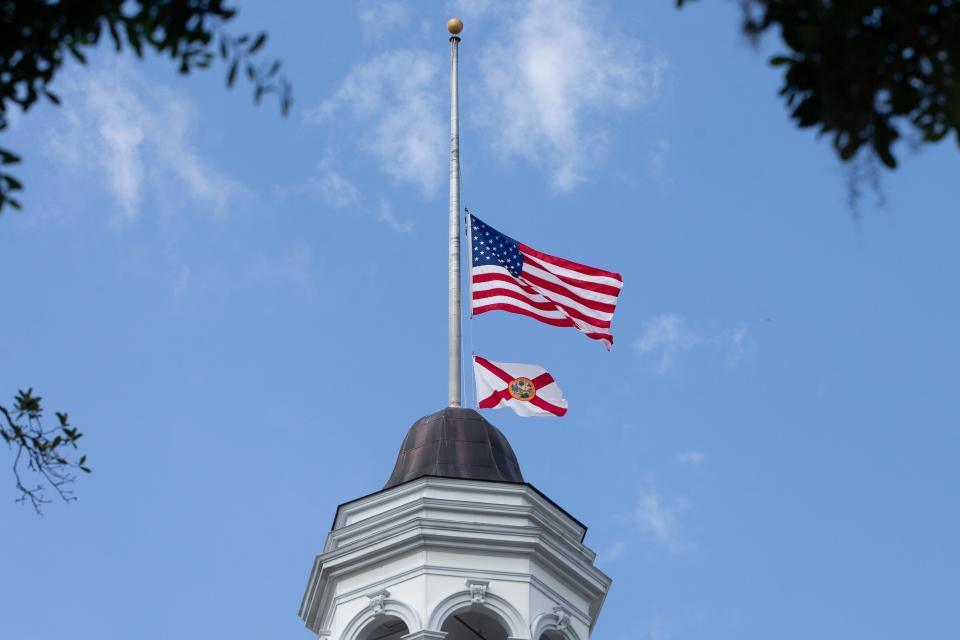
526 388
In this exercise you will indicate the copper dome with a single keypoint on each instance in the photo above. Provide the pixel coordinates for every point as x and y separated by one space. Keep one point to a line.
455 443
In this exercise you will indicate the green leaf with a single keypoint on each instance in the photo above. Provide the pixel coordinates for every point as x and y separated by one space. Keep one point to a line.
232 74
886 156
8 158
257 43
133 37
114 35
82 59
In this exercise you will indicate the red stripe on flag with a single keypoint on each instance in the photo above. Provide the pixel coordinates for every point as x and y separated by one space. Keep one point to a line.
503 306
607 289
550 305
537 401
494 369
563 291
481 278
575 313
542 380
491 401
568 264
493 293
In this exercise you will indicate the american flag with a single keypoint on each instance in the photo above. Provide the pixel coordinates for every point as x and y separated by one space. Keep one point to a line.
510 276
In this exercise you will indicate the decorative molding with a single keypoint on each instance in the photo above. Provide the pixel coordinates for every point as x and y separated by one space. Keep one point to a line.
478 590
563 618
425 634
377 550
394 541
499 608
558 620
565 521
375 610
583 578
378 601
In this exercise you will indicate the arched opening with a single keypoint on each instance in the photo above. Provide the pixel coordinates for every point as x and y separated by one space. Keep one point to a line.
384 628
551 635
473 625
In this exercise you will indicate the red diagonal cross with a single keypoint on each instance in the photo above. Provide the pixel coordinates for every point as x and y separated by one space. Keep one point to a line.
494 398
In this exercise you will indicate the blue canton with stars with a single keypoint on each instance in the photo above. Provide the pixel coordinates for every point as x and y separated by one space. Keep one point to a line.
492 247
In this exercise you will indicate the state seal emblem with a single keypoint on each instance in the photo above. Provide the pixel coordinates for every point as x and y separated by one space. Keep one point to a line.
522 389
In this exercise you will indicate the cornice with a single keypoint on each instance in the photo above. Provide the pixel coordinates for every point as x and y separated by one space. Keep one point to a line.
423 533
433 513
577 528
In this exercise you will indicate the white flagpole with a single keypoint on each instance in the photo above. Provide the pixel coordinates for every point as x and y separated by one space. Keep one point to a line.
454 338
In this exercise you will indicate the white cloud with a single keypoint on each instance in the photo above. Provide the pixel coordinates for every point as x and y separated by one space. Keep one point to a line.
693 458
658 630
613 552
335 189
340 192
662 520
182 285
474 8
135 136
657 164
553 77
377 18
293 266
666 336
387 217
547 88
739 343
395 98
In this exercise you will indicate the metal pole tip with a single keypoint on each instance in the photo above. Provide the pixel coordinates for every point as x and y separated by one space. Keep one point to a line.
454 26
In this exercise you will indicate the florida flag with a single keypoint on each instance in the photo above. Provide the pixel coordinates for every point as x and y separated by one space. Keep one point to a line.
526 388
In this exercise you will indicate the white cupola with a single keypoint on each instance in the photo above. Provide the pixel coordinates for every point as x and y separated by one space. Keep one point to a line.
456 546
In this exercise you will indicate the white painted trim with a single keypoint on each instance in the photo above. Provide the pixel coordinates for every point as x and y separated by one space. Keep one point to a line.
393 608
425 634
566 521
550 622
400 527
502 610
584 578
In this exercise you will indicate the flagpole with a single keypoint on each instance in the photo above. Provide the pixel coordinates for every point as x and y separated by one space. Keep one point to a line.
454 338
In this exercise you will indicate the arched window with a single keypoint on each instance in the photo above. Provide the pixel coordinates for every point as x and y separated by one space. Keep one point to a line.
551 635
473 625
384 628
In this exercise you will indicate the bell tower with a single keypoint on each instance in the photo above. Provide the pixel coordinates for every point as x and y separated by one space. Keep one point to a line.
456 546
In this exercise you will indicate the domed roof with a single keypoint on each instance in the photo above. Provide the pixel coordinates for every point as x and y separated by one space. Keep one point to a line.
455 443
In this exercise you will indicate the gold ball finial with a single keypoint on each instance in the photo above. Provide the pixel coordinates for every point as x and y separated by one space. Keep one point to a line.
454 26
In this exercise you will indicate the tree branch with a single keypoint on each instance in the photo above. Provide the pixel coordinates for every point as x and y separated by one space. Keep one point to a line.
40 451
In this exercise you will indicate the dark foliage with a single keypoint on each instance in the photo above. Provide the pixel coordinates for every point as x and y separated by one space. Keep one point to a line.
44 454
36 36
866 72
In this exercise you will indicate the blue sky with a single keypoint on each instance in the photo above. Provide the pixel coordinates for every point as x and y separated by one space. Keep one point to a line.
245 313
